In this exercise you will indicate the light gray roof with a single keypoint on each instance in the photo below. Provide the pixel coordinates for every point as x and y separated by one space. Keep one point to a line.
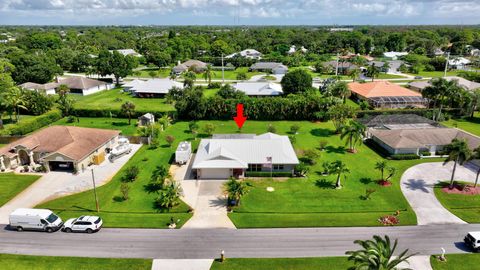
466 84
421 138
126 52
36 86
78 82
239 152
259 88
267 65
155 86
247 53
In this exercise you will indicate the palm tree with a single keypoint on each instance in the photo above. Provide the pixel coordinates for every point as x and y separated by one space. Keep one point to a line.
353 133
338 168
459 153
169 196
340 89
14 98
373 71
476 155
165 121
440 92
208 73
381 166
377 254
62 90
128 108
354 73
235 189
173 76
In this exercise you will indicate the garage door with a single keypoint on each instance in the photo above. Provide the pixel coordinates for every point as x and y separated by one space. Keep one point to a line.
61 166
215 173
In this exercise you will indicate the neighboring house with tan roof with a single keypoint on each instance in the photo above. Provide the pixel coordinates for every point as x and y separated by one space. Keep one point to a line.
48 88
415 141
462 82
271 67
59 148
195 65
84 86
384 94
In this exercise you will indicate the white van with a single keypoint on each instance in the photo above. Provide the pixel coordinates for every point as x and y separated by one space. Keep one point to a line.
35 219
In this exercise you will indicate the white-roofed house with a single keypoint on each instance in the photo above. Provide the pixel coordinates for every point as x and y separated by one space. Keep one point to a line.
272 67
248 53
459 63
259 89
234 155
394 55
154 87
48 88
126 52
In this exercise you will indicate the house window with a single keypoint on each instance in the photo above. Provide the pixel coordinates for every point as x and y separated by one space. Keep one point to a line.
254 167
278 167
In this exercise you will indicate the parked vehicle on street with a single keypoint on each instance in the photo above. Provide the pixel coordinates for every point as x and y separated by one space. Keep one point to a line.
34 219
472 240
418 77
88 224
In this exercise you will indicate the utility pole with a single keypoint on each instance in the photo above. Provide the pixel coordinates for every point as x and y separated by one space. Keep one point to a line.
336 68
446 64
95 191
223 71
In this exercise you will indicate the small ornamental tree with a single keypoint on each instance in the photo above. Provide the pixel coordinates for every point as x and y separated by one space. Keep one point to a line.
170 139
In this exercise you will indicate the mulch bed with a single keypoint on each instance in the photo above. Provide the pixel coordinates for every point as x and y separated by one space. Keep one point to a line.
462 189
384 183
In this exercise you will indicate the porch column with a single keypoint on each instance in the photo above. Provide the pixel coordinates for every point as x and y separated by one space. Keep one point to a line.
30 156
2 165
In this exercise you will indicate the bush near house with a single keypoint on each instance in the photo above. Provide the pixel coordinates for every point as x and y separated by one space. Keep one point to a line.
32 124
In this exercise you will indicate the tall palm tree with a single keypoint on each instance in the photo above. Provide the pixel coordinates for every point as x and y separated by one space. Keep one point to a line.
381 166
377 254
338 167
373 71
353 133
14 98
354 73
340 89
62 90
165 121
440 92
235 189
476 155
128 108
208 74
459 153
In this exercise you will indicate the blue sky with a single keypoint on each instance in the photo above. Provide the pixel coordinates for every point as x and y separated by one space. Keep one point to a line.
248 12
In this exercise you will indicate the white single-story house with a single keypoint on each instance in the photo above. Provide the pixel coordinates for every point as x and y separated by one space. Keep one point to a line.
130 52
48 88
153 88
59 148
127 87
248 53
417 140
232 155
394 55
272 67
259 89
459 63
195 65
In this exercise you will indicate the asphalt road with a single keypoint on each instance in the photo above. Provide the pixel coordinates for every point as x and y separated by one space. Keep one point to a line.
207 243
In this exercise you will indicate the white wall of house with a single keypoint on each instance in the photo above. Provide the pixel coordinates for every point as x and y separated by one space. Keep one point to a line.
96 89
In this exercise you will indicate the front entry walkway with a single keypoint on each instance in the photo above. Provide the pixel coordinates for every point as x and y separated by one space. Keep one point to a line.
417 185
182 264
58 184
205 197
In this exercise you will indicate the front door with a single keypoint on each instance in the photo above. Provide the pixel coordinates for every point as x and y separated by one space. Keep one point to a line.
24 158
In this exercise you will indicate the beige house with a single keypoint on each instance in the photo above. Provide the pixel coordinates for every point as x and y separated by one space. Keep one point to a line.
59 148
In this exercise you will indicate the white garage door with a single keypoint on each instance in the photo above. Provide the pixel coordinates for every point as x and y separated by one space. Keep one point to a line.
215 173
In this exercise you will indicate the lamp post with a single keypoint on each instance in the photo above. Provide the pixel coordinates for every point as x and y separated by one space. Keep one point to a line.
95 191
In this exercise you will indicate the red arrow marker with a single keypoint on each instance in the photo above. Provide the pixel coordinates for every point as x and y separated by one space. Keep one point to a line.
240 119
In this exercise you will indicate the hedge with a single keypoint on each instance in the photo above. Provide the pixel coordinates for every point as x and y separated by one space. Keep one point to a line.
29 125
418 111
268 174
426 153
404 156
118 113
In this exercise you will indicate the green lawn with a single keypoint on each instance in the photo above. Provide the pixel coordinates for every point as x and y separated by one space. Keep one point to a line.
330 263
456 262
105 123
113 99
471 125
229 74
297 202
144 73
210 92
12 184
434 74
466 207
389 76
138 211
7 122
25 262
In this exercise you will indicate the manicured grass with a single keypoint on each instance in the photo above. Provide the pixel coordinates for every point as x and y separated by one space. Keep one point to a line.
229 74
471 125
352 103
210 92
466 207
331 263
434 74
138 211
456 262
105 123
12 184
114 98
26 262
144 73
7 122
389 76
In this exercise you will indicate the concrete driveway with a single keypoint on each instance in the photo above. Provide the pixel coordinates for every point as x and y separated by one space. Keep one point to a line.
58 184
417 185
204 196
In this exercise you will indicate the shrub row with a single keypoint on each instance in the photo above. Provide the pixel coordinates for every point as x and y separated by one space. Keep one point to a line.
404 156
418 111
30 125
268 174
426 153
83 112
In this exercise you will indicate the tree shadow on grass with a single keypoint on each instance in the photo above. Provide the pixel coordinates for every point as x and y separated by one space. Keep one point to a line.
324 184
366 180
337 150
321 132
119 124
